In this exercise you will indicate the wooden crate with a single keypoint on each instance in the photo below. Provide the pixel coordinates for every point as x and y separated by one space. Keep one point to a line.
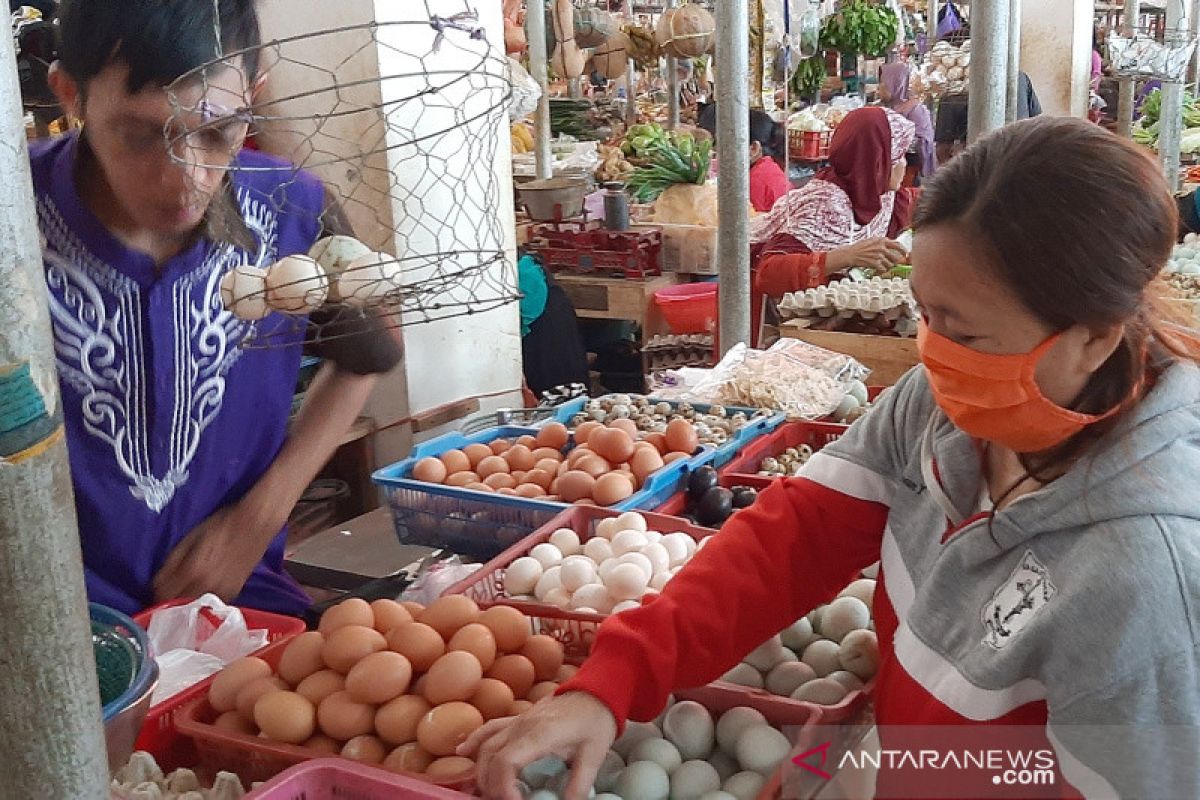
889 357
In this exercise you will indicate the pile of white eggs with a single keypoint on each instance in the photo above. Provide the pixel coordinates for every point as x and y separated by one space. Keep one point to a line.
685 754
608 573
337 268
820 658
1185 260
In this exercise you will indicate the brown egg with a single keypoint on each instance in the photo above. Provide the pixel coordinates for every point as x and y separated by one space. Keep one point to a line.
345 647
223 691
509 627
500 480
342 717
627 425
530 490
566 672
593 465
499 446
553 436
461 479
490 466
324 745
612 488
540 478
520 457
449 767
546 655
582 451
454 676
476 639
575 485
547 465
493 698
443 729
476 453
541 691
302 657
354 611
613 444
528 441
479 487
447 614
645 462
547 454
430 470
365 749
319 685
285 717
671 458
586 501
418 686
252 691
516 672
413 608
584 431
681 436
396 722
507 492
520 707
519 476
234 722
563 469
389 614
455 461
408 758
379 677
659 440
417 642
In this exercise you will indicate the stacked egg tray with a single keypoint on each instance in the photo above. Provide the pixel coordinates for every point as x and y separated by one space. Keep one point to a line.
754 422
881 306
483 525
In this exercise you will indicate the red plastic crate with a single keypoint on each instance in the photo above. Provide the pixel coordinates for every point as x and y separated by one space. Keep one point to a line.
159 736
254 759
342 779
677 505
792 434
576 631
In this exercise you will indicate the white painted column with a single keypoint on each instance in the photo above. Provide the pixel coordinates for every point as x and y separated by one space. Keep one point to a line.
1056 46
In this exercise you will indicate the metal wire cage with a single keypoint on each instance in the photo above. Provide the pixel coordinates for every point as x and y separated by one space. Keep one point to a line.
391 143
1151 52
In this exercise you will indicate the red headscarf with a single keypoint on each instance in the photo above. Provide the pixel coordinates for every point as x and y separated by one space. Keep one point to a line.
860 161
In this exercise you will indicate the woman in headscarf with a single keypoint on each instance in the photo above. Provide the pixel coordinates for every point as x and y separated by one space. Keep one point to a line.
893 91
844 217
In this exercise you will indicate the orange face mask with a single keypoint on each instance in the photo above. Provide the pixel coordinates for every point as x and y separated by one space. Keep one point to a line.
996 397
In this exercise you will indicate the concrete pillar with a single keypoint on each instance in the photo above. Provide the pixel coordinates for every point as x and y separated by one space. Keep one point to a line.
989 67
535 34
1056 46
733 152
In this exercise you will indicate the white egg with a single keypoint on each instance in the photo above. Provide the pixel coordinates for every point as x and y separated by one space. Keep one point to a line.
334 253
368 279
628 541
690 727
557 597
848 679
658 750
659 558
522 576
693 780
626 605
842 616
863 589
577 571
626 582
653 537
296 285
822 691
733 723
725 764
744 675
787 677
606 778
872 571
761 748
539 774
659 580
598 549
593 596
644 780
676 545
608 528
859 654
766 655
547 554
822 656
567 541
744 785
635 733
720 795
244 292
640 561
631 521
551 579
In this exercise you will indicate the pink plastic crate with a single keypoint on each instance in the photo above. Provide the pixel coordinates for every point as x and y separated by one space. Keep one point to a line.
340 779
792 434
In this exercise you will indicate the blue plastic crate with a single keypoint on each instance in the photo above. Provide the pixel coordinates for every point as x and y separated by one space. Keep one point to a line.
759 426
483 524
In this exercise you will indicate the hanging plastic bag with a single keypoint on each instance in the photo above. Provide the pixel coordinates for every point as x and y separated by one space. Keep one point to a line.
949 21
525 91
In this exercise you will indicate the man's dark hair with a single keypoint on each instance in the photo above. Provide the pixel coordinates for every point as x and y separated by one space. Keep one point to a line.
160 40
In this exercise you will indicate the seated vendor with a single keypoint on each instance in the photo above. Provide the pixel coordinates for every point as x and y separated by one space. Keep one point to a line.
844 217
182 462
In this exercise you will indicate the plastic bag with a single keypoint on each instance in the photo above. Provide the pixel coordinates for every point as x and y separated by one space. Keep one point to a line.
525 91
949 21
687 204
436 579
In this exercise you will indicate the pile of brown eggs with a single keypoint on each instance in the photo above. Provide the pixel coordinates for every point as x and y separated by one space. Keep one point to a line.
392 683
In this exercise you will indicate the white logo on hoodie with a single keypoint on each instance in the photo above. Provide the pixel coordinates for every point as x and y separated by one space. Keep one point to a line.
1015 604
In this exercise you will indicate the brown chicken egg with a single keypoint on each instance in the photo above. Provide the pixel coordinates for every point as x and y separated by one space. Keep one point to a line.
546 655
412 607
430 470
449 767
530 491
547 454
323 744
575 485
627 425
302 657
499 446
408 758
354 611
476 639
462 479
252 691
528 441
417 642
541 691
396 722
347 646
519 707
236 723
499 481
379 677
671 458
584 431
342 717
479 487
645 462
612 488
554 436
365 749
547 465
447 614
509 627
491 466
476 453
659 440
389 614
319 685
681 436
593 465
223 691
516 672
455 461
285 717
443 729
613 444
454 676
520 457
493 698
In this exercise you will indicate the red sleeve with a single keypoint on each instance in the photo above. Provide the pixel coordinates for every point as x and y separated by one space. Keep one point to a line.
795 549
902 211
779 273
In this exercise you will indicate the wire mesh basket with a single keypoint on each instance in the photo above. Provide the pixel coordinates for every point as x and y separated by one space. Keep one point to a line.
388 173
1151 52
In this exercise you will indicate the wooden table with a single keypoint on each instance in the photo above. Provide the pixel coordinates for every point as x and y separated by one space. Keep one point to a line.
888 357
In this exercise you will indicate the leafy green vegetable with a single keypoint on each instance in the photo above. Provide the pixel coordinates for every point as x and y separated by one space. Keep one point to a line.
861 26
667 159
808 77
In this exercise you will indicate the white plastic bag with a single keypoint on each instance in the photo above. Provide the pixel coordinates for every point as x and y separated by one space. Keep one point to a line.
525 91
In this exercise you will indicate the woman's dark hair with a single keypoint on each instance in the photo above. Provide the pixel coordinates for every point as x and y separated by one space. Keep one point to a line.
765 131
160 40
1079 223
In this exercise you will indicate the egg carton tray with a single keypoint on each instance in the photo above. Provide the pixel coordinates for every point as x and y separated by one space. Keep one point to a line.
482 524
574 629
760 423
815 435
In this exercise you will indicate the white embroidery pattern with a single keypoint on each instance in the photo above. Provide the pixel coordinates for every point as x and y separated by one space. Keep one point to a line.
98 333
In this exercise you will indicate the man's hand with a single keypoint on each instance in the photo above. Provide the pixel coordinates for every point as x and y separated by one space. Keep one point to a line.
878 253
217 557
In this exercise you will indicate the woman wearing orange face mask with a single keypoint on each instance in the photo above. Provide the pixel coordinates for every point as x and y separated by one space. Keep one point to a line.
1040 565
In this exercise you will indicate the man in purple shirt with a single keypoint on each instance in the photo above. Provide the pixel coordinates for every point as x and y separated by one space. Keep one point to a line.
183 463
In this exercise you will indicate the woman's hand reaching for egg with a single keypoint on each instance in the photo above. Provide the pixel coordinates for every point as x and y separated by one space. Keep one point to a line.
879 253
575 727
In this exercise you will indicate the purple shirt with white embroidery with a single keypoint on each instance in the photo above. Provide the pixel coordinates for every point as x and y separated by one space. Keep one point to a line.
168 417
